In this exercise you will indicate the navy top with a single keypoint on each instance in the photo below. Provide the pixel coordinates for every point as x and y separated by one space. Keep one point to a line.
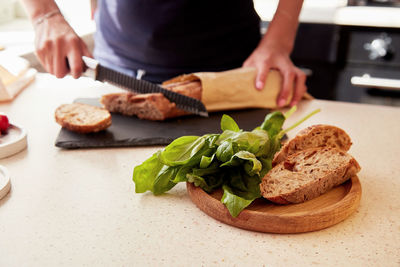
166 38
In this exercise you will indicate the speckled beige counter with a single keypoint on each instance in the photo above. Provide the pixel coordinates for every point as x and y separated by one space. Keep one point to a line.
78 207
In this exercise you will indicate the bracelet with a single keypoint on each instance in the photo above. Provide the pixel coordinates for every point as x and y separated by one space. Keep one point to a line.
46 16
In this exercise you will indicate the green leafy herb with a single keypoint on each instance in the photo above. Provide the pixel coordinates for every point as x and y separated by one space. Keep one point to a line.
234 160
227 123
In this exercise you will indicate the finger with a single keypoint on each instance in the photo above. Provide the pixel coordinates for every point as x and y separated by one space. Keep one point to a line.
75 60
44 52
85 51
300 88
262 73
59 60
40 57
48 61
288 80
39 50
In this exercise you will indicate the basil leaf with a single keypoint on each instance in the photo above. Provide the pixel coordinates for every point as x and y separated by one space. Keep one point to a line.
211 140
211 170
182 150
234 203
252 185
255 142
207 183
164 180
206 161
225 151
240 192
181 175
226 135
236 180
251 141
251 164
273 123
266 166
145 174
227 123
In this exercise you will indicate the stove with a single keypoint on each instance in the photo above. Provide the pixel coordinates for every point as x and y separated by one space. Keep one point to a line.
382 3
350 63
369 65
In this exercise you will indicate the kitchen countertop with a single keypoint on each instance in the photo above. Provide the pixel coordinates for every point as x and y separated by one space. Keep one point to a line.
78 207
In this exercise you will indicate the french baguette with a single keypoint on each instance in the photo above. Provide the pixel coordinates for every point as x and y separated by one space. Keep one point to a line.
308 174
153 106
319 135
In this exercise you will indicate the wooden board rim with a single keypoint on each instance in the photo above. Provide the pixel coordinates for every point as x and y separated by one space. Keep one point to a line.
302 221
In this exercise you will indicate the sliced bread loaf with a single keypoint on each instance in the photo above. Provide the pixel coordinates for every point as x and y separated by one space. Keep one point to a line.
308 174
151 106
144 106
319 135
82 118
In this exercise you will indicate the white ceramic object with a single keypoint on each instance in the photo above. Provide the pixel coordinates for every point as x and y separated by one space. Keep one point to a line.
5 184
15 75
7 10
14 141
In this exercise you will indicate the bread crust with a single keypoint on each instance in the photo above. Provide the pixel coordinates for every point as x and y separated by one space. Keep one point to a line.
83 118
155 106
308 174
319 135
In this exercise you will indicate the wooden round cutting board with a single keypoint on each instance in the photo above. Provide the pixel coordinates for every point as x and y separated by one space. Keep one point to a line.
264 216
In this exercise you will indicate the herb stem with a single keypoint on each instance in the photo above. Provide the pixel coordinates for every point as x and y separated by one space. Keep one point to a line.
281 133
290 112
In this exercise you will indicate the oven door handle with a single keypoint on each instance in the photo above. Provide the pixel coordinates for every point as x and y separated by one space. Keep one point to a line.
379 83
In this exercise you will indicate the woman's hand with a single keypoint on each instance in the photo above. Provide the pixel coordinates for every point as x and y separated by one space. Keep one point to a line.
59 48
273 52
274 56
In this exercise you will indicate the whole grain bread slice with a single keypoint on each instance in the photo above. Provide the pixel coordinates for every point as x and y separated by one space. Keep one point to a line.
319 135
82 118
308 174
151 106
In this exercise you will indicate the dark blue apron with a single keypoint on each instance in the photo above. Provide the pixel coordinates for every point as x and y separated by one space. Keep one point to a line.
166 38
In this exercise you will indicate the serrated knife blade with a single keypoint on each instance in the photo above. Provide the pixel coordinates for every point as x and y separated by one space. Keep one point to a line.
104 74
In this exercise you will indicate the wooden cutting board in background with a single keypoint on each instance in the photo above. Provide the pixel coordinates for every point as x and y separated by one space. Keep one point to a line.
130 131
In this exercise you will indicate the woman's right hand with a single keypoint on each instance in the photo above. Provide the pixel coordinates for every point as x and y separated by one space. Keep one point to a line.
58 48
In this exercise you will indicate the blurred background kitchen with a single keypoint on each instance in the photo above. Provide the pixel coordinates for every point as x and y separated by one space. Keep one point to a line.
349 49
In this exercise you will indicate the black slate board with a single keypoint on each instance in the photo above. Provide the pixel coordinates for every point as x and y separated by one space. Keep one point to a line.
130 131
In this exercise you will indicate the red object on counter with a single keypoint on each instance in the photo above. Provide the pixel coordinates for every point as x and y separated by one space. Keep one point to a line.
4 123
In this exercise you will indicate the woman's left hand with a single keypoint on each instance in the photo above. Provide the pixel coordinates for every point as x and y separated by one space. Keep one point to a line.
274 56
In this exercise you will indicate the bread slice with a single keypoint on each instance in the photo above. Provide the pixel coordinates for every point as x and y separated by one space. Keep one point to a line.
151 106
308 174
83 118
319 135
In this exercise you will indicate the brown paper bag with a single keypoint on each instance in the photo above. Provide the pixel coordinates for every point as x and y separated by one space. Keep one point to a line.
234 89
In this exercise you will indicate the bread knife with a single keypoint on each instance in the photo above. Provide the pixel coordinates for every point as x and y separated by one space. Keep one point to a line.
104 74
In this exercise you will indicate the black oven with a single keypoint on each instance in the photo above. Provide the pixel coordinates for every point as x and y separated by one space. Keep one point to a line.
351 63
369 65
380 3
